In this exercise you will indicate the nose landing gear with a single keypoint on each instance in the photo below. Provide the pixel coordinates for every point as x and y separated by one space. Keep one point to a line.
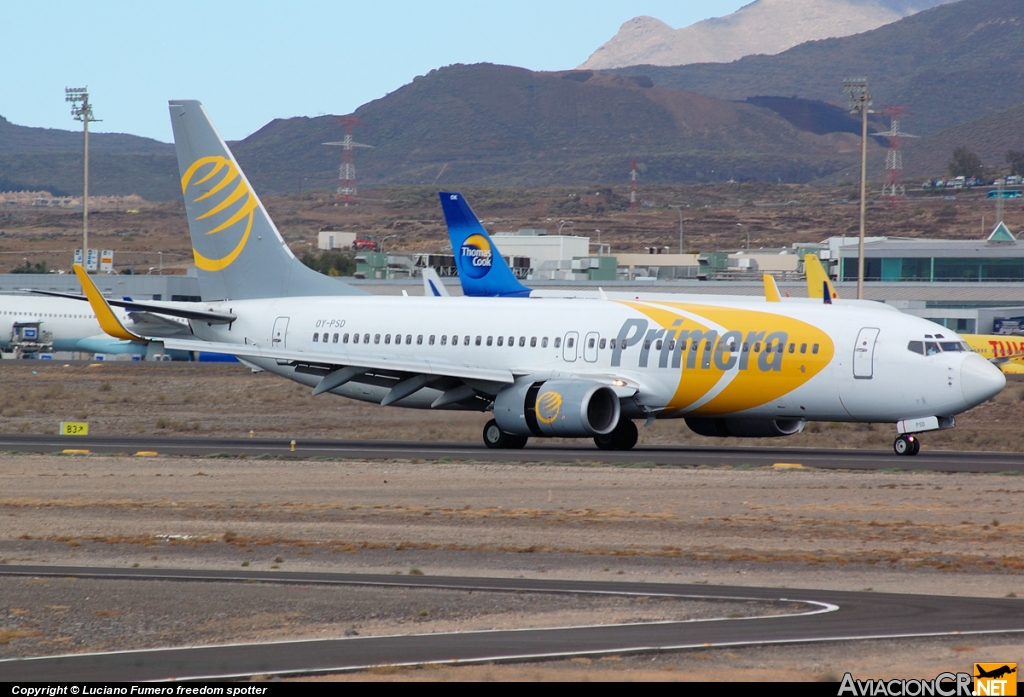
906 444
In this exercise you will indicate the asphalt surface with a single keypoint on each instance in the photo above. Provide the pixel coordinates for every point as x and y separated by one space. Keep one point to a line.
829 616
933 461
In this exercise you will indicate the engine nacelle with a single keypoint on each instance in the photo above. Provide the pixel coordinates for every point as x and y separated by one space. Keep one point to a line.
567 408
746 428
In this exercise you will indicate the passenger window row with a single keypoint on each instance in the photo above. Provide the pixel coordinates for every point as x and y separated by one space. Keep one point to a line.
467 340
444 340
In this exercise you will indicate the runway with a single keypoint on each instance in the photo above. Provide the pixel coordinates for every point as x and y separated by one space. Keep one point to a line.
927 460
828 616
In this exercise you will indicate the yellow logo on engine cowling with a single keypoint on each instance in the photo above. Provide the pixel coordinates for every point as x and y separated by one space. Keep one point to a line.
240 201
549 404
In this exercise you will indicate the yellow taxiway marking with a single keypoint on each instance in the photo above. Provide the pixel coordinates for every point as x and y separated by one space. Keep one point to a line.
146 453
74 452
787 465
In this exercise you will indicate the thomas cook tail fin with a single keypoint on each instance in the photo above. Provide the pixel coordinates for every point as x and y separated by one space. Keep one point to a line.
818 282
238 250
482 270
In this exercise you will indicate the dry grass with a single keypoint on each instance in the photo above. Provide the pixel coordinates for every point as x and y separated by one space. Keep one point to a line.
230 401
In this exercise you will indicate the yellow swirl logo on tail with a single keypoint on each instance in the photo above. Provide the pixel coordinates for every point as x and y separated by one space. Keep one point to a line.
240 199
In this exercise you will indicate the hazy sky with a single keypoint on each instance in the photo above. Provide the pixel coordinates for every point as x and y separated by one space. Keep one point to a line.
250 62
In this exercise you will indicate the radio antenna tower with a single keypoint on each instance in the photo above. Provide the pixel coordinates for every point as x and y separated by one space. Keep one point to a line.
893 188
347 171
632 186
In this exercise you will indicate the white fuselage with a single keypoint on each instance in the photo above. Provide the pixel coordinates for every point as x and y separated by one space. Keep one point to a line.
72 323
848 363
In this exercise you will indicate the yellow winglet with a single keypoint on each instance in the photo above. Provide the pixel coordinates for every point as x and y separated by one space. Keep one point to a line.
771 289
817 279
109 322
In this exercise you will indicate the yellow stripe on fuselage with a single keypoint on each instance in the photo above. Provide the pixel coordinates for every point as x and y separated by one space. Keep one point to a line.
714 379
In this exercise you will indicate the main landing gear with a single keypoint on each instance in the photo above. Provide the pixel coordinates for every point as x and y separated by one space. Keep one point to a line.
495 438
906 444
622 437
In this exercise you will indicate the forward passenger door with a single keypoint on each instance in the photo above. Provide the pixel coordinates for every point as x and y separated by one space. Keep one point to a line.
569 347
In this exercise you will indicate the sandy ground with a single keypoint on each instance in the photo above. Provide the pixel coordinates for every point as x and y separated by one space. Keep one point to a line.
954 534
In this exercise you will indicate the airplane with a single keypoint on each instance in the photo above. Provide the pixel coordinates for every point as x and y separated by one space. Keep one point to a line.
572 368
72 326
996 673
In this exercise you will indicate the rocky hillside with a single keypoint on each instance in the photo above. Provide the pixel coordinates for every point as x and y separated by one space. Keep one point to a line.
762 27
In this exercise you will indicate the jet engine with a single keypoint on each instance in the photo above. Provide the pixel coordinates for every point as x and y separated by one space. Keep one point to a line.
746 428
567 408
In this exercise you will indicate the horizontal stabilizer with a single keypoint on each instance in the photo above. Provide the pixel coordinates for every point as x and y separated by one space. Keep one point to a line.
171 310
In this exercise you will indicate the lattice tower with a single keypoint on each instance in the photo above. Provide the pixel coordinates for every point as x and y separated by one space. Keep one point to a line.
893 187
347 170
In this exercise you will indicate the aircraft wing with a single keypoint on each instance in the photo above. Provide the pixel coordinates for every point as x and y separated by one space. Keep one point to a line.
333 360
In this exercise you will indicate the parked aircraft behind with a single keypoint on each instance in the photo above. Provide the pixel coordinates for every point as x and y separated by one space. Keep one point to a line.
561 367
71 324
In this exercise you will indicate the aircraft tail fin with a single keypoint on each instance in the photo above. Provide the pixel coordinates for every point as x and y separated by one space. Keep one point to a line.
771 289
482 270
236 246
432 286
818 282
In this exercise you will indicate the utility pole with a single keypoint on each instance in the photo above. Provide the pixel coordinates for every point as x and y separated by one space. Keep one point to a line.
860 101
81 110
680 209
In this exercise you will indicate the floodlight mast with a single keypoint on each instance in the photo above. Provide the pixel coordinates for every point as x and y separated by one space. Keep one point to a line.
860 101
81 110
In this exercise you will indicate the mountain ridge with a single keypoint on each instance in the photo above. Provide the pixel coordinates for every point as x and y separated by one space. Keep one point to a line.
765 27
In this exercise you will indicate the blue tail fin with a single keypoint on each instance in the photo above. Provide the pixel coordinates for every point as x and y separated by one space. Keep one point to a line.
482 270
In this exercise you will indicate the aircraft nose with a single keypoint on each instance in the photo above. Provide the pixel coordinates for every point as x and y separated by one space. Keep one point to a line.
980 380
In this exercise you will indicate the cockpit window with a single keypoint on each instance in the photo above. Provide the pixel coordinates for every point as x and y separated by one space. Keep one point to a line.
952 346
931 348
916 347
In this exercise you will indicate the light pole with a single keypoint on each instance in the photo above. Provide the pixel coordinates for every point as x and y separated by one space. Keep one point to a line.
748 234
384 239
680 209
81 110
563 222
860 101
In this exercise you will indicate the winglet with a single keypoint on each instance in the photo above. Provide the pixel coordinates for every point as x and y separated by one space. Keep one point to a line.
818 283
771 289
104 315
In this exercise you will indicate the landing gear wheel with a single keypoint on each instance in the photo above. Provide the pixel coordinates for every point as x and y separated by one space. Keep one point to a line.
516 442
906 445
623 437
495 438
